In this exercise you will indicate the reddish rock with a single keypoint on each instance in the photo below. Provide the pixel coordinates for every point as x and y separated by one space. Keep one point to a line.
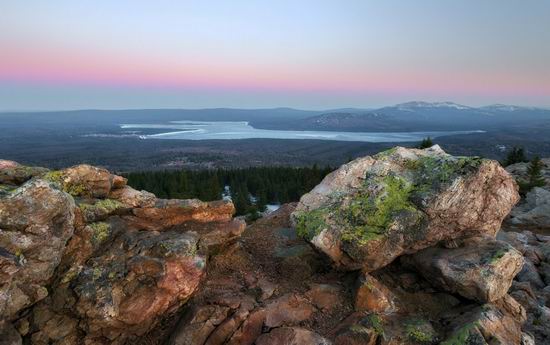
87 180
288 309
36 221
486 324
291 336
170 213
250 329
325 297
197 325
125 292
133 198
373 296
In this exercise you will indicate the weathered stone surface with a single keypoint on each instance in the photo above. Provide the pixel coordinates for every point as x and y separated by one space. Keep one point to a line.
85 180
99 210
486 324
481 269
291 336
250 329
8 334
376 208
36 220
13 173
169 213
131 197
288 309
532 213
358 329
324 296
519 170
196 326
373 296
143 276
530 274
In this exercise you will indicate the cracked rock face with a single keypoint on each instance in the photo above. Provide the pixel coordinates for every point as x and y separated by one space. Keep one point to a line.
86 259
36 220
376 208
481 270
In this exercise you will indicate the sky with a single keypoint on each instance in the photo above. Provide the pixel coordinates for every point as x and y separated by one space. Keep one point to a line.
320 54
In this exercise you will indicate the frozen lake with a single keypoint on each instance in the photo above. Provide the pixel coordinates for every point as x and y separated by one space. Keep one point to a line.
203 130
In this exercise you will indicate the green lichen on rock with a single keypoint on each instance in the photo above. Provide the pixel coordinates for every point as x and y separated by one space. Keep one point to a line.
177 246
374 321
57 177
54 176
311 223
6 189
432 171
462 335
101 207
386 153
369 214
498 255
419 331
100 232
71 274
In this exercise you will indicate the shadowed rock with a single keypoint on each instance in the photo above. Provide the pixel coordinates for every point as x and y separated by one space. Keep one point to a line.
482 269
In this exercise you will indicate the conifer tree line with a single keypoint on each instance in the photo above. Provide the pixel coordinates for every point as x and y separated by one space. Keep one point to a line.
266 185
534 169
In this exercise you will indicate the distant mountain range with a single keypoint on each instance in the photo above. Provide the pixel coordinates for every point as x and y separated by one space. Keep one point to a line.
419 116
404 117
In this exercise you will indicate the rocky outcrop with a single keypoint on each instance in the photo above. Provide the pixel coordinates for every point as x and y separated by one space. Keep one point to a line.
519 170
86 259
374 209
531 287
533 212
399 249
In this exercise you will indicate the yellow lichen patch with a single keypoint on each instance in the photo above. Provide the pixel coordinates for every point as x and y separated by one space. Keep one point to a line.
100 231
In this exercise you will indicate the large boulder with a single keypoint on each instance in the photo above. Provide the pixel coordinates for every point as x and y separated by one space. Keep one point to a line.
141 277
376 208
86 180
36 220
482 269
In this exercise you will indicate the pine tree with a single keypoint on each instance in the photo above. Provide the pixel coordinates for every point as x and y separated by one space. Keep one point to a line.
426 143
534 172
516 155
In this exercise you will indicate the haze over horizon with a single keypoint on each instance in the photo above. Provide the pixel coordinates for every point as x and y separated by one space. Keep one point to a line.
307 55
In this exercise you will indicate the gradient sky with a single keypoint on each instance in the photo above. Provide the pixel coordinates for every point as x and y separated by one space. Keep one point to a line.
67 54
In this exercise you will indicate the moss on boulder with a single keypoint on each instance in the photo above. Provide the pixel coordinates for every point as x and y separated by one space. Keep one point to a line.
374 209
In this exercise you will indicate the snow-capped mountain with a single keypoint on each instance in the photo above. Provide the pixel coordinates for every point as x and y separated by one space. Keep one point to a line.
421 116
423 105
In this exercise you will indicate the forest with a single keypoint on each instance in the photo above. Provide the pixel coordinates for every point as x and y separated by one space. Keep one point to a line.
251 189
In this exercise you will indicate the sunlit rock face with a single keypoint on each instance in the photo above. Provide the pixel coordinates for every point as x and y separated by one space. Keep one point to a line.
376 208
85 258
397 248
